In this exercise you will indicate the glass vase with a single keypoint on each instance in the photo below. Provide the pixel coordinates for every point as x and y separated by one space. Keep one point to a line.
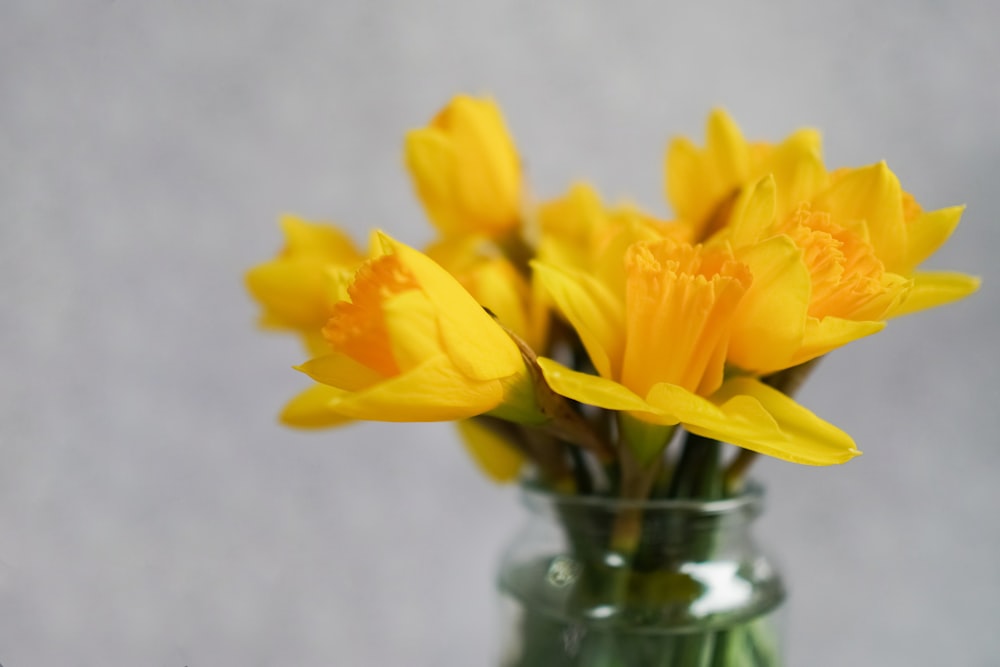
603 582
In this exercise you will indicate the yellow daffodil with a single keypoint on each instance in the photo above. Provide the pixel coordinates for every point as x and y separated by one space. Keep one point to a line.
410 344
701 183
298 289
833 270
817 286
870 202
659 348
466 170
579 231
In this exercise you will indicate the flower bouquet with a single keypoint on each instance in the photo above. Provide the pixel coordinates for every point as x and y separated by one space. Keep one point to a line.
627 369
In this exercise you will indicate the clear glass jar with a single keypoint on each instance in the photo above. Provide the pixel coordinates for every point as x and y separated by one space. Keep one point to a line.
602 582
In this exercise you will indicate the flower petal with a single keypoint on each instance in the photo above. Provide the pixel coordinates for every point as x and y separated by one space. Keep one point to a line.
495 456
475 343
311 408
753 213
871 196
807 439
590 389
292 292
340 371
412 328
687 192
727 148
770 322
829 333
432 391
928 232
935 288
431 159
797 166
318 241
595 313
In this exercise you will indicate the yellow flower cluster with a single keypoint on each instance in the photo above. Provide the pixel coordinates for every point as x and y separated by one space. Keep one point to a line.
771 261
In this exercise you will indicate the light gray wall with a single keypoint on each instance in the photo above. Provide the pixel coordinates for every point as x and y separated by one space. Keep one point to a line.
153 513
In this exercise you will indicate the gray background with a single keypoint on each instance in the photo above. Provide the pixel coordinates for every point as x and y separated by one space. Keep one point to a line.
151 510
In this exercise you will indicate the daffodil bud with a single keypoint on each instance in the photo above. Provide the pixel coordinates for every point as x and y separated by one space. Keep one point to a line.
466 170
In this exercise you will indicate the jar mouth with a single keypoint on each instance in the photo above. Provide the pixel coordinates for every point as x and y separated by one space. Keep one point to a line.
750 500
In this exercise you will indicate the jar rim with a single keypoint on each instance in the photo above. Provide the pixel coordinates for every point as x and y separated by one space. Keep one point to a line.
751 498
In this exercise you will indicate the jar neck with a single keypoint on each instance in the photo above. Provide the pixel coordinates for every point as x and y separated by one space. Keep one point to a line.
741 508
664 529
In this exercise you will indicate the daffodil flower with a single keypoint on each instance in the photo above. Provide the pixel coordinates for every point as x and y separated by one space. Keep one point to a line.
410 344
659 349
871 202
298 289
701 182
833 270
578 231
817 285
466 170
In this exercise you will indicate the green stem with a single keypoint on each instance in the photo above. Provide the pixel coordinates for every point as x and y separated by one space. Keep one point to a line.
736 471
697 474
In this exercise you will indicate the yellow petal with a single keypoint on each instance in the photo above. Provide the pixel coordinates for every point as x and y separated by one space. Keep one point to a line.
751 415
498 286
927 233
311 408
829 333
727 147
687 191
797 167
318 240
411 325
341 371
432 391
753 214
596 314
807 439
478 129
477 346
770 321
590 389
432 161
495 456
293 293
694 411
871 195
935 288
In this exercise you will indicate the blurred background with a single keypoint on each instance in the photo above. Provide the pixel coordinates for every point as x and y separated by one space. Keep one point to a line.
152 512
